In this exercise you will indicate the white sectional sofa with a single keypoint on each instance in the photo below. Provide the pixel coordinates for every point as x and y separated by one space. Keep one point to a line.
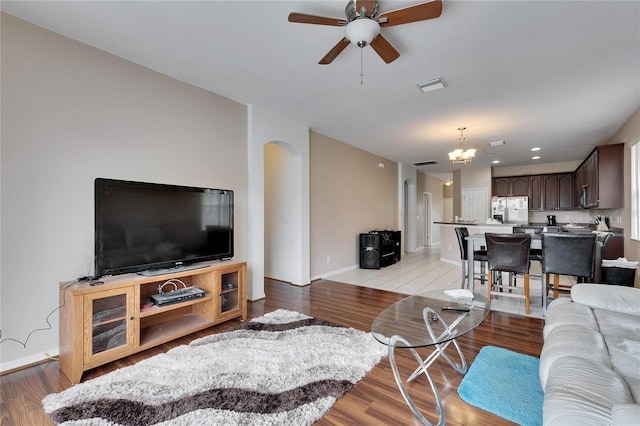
590 361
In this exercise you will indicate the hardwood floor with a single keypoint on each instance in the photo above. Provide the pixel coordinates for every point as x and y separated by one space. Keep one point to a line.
375 400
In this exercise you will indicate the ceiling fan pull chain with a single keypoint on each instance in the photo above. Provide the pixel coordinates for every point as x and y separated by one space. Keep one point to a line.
361 72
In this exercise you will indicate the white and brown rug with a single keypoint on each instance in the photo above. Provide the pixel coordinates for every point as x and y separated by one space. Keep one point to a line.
282 368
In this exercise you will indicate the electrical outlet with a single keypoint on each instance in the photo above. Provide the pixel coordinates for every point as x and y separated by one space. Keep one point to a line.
619 219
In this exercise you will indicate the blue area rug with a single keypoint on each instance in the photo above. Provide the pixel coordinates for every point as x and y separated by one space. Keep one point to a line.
506 384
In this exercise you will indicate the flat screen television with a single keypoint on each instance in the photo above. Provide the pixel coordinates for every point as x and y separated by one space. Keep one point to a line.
148 226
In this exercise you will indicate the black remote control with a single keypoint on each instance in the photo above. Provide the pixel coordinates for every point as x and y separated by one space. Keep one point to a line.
453 308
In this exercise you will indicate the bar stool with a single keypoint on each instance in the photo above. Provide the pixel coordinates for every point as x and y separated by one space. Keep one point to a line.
534 254
509 253
480 255
566 254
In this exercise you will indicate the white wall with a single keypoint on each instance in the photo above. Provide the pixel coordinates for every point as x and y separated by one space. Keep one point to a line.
407 212
71 113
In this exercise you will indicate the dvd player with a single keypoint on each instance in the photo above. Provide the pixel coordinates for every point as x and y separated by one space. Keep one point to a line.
176 296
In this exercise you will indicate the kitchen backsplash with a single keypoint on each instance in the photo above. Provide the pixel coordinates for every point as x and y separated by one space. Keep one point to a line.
580 216
573 216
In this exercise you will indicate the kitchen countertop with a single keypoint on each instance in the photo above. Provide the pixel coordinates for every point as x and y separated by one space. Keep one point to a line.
474 224
592 227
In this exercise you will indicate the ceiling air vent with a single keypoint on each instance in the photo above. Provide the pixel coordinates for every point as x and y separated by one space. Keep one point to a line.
425 163
432 84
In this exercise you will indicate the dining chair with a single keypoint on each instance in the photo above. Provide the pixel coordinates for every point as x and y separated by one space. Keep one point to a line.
480 255
603 239
508 253
566 253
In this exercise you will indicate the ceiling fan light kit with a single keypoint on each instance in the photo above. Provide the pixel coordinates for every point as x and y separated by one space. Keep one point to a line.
362 31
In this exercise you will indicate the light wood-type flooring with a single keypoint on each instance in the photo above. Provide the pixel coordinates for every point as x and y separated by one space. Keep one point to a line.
375 400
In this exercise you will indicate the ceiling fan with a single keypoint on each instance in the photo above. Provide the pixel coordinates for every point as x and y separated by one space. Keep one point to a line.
363 25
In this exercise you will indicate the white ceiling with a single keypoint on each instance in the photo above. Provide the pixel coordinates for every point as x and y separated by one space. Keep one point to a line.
559 75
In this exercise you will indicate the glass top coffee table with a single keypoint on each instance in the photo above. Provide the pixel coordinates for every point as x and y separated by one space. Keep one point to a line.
431 319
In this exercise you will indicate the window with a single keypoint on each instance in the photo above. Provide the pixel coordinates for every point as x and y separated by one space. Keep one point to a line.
635 191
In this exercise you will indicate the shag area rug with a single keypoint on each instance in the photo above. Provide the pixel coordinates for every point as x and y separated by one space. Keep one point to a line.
282 368
506 384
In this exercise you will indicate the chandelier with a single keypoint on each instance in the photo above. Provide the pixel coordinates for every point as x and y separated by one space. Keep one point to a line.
460 155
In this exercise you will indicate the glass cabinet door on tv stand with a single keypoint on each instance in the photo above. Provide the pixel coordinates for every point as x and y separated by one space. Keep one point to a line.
109 323
232 298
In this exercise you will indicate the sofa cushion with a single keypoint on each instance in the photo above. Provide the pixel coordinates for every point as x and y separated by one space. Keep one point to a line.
564 311
572 340
612 298
581 392
625 359
613 323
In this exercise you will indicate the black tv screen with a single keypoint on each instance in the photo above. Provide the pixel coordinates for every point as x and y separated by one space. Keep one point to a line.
145 226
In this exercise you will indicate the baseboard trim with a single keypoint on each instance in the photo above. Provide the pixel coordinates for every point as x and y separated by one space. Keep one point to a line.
28 361
326 275
451 262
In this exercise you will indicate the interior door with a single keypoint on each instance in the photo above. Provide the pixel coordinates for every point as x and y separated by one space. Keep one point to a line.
474 205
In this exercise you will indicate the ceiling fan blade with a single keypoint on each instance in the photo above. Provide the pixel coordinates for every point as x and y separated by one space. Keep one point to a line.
418 12
384 49
333 53
367 4
302 18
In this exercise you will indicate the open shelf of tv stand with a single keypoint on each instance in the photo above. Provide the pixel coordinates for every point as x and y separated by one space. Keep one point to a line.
100 324
157 310
164 332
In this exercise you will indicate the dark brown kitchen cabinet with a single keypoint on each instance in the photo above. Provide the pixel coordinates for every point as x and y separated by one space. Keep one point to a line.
599 180
511 186
501 186
535 193
615 249
558 190
565 191
520 185
551 192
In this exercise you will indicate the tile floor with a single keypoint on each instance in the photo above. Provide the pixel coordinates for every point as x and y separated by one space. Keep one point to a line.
423 270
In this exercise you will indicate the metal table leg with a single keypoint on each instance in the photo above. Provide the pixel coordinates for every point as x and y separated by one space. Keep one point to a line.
470 265
424 364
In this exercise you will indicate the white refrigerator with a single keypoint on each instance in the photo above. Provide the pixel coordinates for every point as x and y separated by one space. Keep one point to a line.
511 210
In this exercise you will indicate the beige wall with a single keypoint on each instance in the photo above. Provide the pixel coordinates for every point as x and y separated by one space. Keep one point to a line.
628 134
71 113
349 194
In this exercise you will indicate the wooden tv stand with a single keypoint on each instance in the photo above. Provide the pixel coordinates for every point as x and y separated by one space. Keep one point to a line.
106 322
